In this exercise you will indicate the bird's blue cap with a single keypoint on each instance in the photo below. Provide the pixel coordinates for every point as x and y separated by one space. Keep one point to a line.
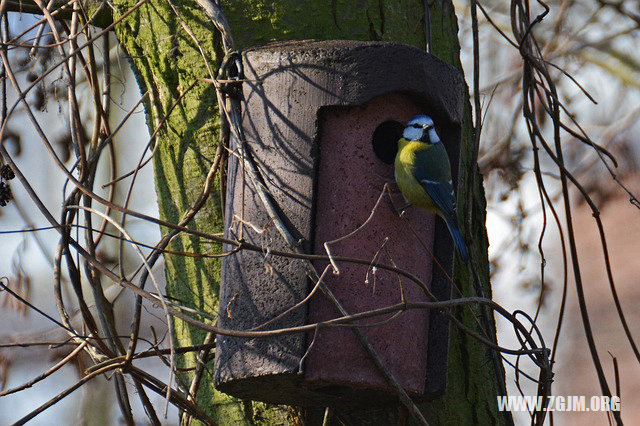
417 126
421 119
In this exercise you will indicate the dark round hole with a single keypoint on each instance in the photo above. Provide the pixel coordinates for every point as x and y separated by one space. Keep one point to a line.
385 140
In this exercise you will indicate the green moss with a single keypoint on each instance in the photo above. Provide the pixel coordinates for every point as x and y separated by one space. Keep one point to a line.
167 62
261 21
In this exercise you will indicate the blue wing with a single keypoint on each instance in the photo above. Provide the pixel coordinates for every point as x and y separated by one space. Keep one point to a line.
442 195
441 192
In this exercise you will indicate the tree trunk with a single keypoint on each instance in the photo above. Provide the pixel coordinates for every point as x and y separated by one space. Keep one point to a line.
167 61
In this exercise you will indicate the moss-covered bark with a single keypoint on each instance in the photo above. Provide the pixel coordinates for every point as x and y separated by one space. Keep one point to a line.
167 61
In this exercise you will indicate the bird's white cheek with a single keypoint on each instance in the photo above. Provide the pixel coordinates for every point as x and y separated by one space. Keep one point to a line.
412 133
433 135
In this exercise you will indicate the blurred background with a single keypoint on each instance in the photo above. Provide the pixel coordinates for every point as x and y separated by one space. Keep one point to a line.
596 42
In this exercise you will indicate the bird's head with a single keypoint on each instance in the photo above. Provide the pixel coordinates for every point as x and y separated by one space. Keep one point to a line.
421 128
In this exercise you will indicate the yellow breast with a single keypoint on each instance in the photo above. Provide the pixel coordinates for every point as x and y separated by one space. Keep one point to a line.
405 178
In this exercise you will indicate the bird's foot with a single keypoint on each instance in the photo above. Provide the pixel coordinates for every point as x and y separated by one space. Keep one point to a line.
400 211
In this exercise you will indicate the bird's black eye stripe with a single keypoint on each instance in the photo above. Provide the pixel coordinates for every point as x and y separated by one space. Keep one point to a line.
416 125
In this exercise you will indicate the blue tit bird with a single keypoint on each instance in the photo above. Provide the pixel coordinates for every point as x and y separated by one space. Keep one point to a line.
423 174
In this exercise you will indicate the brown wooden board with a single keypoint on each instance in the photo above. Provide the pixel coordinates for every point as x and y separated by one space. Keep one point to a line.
291 91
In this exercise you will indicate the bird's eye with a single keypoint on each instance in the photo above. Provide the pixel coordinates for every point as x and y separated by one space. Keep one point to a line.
416 125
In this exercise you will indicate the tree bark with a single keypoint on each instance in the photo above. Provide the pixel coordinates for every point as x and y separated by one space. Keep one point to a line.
166 62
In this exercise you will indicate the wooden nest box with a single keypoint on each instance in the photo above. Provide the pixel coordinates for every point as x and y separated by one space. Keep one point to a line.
321 120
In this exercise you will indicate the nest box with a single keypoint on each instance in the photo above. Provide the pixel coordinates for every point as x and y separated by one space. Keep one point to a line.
321 120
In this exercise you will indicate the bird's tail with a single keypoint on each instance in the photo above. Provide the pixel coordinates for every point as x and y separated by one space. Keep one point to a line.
457 239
